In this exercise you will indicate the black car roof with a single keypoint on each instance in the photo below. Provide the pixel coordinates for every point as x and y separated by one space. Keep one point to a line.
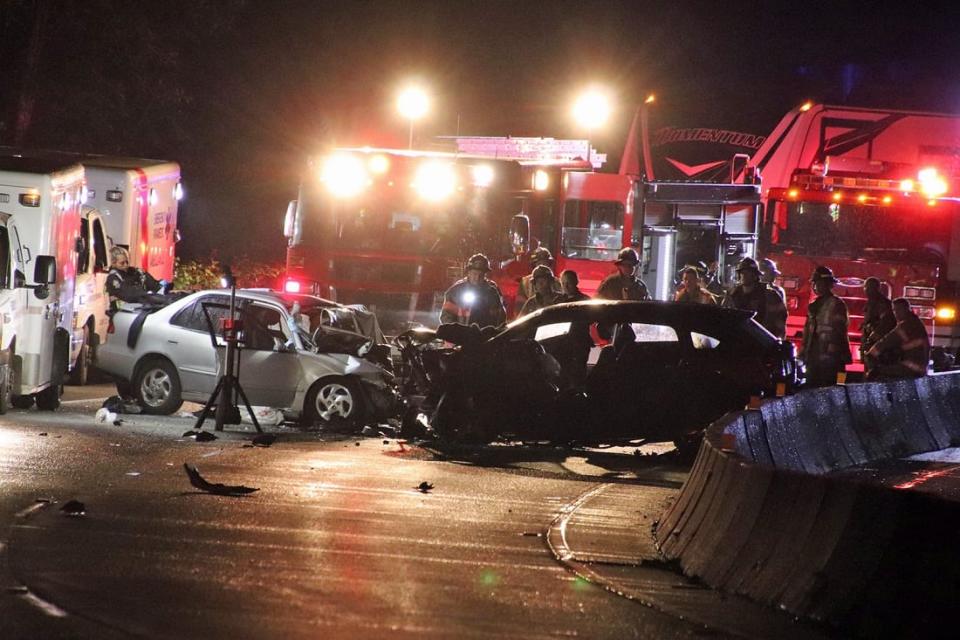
616 311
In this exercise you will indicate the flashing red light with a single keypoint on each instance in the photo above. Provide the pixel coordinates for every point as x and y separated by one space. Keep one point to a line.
291 286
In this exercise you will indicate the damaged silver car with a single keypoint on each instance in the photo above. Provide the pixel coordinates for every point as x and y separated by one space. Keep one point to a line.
316 360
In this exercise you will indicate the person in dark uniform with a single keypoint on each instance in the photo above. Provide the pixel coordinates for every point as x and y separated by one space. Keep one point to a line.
474 299
826 346
878 321
570 282
540 256
543 295
907 347
624 284
776 312
129 284
750 294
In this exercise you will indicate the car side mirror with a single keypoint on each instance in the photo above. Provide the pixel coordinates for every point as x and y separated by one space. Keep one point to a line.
520 234
45 270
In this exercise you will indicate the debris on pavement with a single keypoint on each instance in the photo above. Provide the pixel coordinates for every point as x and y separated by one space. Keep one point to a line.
217 488
74 508
104 415
264 439
42 433
424 487
199 436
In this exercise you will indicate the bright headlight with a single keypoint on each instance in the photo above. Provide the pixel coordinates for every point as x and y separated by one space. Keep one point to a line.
435 181
345 175
932 184
483 175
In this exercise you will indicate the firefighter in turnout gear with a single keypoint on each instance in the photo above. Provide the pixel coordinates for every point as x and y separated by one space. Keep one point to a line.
878 320
540 256
907 346
775 315
544 295
826 347
129 284
750 294
624 284
474 299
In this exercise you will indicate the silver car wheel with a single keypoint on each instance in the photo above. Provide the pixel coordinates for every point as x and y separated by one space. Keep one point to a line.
155 387
334 400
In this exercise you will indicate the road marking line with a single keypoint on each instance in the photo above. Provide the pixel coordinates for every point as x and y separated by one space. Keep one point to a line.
48 608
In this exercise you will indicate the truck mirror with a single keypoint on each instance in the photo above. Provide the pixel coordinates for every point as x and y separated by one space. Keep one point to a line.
520 234
288 220
45 270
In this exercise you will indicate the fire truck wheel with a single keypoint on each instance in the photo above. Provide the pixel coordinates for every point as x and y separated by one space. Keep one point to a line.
81 368
335 402
157 387
49 398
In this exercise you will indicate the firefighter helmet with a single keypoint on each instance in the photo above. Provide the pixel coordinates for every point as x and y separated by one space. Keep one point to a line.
627 256
748 264
823 273
478 262
769 267
541 255
542 271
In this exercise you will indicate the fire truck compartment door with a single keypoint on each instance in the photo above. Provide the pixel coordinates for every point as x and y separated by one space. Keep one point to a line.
659 261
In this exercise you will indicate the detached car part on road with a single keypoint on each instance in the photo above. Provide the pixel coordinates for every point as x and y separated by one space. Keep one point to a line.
660 371
311 357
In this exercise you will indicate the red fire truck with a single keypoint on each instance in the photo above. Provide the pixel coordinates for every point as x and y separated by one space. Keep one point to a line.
866 192
392 228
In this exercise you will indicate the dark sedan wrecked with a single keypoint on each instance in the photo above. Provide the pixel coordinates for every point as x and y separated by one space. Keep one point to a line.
592 372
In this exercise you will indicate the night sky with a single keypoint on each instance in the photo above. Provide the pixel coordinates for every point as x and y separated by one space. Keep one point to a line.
241 92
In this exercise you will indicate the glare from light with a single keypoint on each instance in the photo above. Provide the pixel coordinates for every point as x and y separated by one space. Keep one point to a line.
906 185
862 197
932 184
413 103
435 181
591 109
483 175
344 175
292 286
541 180
82 197
650 99
378 164
178 191
154 197
837 197
946 313
806 106
887 199
469 297
793 193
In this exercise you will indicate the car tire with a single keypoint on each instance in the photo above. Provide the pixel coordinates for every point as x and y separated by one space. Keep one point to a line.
156 386
334 402
80 374
49 398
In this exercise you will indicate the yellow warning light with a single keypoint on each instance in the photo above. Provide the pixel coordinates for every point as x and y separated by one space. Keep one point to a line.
806 106
650 99
793 193
946 313
932 203
887 199
862 197
379 164
837 197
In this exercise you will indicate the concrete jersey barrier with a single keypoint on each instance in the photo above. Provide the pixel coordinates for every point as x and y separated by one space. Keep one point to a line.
760 517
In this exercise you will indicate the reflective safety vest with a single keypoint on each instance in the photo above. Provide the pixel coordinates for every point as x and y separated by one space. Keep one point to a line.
909 339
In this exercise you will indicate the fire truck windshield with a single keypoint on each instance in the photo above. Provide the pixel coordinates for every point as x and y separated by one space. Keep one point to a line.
916 234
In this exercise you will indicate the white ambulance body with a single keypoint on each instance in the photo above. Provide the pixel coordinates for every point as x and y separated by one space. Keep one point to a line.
40 201
138 201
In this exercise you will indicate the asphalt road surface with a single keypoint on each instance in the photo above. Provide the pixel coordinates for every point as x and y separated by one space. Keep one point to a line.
531 542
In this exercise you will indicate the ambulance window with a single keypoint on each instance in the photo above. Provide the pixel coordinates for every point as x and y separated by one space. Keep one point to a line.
83 247
101 263
4 259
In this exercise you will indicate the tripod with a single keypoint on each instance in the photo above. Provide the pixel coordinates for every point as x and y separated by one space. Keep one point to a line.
228 386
